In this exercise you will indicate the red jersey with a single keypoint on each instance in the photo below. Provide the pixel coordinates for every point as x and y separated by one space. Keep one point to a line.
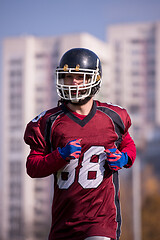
86 191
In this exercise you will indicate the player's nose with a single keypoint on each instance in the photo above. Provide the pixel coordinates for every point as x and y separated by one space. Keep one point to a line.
75 81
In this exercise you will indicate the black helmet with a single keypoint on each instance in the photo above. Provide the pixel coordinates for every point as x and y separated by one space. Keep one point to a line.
79 61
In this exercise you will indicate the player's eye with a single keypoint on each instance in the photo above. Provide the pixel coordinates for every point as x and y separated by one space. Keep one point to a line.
89 78
68 76
80 77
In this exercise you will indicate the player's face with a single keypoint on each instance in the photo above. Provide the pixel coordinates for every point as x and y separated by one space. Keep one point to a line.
74 79
75 85
77 80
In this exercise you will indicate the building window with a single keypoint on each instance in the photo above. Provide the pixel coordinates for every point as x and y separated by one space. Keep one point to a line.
134 109
16 62
15 145
15 168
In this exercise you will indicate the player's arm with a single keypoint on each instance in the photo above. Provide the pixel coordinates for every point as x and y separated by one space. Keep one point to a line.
127 145
41 163
124 156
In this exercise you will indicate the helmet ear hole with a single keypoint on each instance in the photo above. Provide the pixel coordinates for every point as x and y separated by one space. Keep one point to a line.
95 89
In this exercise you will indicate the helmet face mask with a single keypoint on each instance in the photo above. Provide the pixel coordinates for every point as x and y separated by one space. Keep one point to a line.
86 65
76 92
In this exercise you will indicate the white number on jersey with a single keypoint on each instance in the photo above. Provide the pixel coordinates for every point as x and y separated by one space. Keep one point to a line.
87 167
69 170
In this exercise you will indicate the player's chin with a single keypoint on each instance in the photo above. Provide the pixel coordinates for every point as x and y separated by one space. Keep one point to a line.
81 102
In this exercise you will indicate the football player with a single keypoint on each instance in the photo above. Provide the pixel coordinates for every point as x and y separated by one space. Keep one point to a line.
84 143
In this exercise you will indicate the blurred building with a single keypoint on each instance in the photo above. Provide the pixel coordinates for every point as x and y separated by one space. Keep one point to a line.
131 73
136 74
28 89
135 85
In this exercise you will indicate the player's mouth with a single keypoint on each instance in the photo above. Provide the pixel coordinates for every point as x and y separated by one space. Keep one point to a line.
79 92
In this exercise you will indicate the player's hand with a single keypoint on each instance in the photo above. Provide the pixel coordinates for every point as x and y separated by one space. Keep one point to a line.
116 159
72 150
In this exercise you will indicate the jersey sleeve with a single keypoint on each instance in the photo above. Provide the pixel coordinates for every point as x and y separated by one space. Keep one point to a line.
34 138
127 145
40 163
126 121
34 134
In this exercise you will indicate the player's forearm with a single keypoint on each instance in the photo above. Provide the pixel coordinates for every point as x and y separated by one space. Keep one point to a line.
39 165
128 146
